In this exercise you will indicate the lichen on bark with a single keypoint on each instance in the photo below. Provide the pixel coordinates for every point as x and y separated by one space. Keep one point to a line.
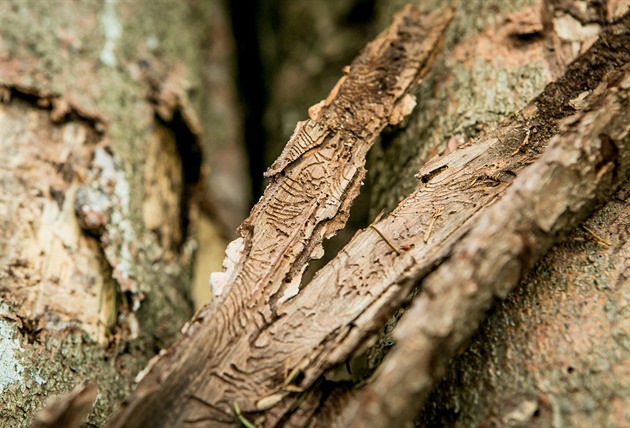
89 67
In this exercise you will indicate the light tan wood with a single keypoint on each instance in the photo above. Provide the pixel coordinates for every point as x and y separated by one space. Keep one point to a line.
227 355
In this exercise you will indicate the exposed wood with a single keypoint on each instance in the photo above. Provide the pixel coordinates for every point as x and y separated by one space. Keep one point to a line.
229 355
303 45
95 202
583 166
367 281
551 349
506 360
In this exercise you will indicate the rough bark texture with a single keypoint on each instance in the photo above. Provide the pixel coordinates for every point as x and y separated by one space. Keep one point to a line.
447 176
401 249
304 45
583 165
100 154
266 340
555 352
313 183
497 68
493 65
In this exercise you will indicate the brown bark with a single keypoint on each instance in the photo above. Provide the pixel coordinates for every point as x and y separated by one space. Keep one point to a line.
313 183
268 348
456 187
381 266
553 352
584 165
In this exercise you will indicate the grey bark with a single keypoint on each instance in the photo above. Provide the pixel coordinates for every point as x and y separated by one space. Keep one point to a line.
101 151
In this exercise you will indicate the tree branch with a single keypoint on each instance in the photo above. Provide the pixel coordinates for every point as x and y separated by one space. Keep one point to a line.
228 355
582 167
367 281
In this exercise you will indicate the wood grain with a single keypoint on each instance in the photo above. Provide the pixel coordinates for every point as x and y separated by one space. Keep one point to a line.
351 298
583 166
232 351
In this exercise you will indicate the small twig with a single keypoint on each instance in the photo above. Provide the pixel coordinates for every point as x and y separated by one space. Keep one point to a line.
434 217
601 241
523 143
393 247
281 391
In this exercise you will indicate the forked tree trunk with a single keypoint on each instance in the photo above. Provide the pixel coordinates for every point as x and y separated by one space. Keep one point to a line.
273 349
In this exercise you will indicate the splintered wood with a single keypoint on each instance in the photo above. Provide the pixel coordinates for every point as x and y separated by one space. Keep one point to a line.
243 352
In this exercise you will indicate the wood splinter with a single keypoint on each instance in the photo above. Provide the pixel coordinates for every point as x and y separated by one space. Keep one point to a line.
387 241
434 217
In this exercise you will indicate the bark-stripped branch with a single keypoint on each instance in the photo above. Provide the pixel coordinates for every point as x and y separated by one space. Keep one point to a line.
263 341
352 296
580 169
230 356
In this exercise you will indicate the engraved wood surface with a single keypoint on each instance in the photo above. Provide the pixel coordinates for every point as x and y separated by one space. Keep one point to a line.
264 340
227 354
360 289
583 166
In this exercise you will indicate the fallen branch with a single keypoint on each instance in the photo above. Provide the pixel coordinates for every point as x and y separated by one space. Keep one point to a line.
351 298
227 359
582 167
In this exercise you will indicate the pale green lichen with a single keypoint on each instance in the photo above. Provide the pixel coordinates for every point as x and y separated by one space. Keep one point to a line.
112 29
11 368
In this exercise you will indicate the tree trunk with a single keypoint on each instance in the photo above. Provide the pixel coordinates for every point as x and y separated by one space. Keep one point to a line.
104 151
101 153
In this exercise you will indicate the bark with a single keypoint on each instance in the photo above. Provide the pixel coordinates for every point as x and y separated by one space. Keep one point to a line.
304 45
313 183
381 266
100 150
270 349
554 353
583 164
497 68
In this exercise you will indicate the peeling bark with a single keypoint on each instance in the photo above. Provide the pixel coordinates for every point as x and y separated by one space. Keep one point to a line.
370 278
461 183
98 169
583 165
269 348
312 186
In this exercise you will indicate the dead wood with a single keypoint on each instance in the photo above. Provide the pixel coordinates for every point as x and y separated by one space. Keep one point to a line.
228 358
263 340
581 168
264 362
368 280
